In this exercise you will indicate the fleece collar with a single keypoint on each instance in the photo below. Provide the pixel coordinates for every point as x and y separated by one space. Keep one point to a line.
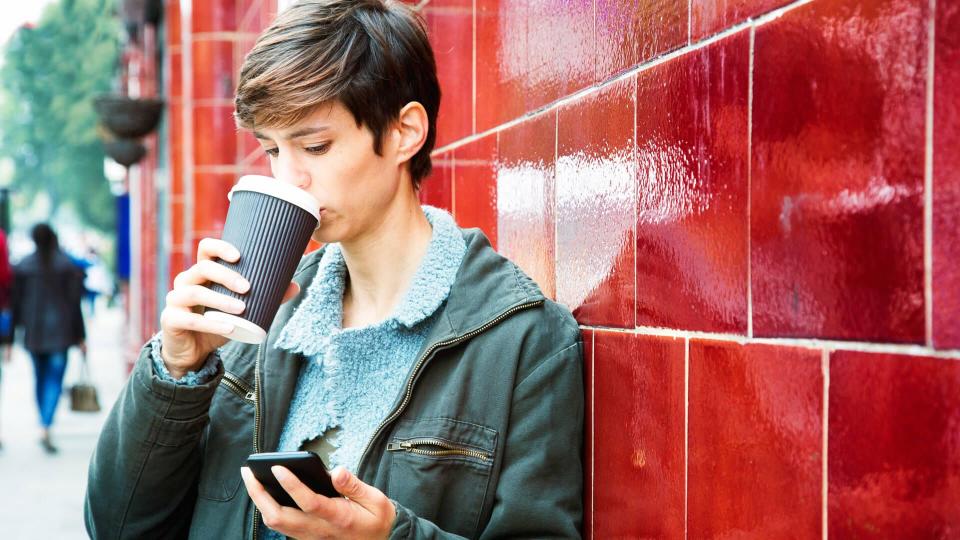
320 315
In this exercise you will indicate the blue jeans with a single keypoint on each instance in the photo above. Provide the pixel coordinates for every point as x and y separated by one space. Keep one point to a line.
49 369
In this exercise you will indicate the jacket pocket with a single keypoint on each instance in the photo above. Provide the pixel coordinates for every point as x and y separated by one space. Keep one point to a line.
440 470
228 440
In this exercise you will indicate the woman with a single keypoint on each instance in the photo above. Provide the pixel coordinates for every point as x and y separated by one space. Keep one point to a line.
430 371
46 303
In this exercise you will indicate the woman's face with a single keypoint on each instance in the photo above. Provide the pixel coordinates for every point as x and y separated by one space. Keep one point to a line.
330 156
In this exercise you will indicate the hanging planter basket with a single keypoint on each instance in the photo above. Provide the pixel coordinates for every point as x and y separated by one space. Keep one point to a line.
125 151
128 118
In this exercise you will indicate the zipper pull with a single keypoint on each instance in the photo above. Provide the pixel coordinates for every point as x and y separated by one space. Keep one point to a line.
251 397
397 446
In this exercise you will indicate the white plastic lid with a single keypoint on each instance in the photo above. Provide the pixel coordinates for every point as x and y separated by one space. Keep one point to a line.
278 189
243 330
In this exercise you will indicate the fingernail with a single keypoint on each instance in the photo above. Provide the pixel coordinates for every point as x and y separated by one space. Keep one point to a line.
224 328
242 285
279 472
237 305
245 473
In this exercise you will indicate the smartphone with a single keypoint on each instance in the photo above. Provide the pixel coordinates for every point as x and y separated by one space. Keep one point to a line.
306 466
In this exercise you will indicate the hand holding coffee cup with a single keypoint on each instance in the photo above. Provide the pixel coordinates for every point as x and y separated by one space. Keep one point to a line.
240 280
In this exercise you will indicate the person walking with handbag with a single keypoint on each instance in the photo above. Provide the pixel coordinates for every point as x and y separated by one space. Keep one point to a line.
6 330
47 289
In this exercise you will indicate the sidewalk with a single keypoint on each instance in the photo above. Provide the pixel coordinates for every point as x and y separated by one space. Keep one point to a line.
42 495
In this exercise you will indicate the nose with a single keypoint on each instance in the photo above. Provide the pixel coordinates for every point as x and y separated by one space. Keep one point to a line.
289 169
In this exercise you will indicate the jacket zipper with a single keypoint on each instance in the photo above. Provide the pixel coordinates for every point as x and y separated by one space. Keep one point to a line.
256 431
236 385
429 446
408 392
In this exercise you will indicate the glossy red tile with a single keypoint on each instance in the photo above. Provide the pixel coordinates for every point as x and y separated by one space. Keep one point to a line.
588 435
518 67
946 177
213 16
212 69
171 22
475 186
630 32
210 200
714 16
450 27
755 441
596 186
437 189
561 50
174 76
214 135
838 164
177 222
638 484
894 451
525 198
501 61
693 159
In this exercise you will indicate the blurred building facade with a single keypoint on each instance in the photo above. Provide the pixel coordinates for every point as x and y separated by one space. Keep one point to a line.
750 206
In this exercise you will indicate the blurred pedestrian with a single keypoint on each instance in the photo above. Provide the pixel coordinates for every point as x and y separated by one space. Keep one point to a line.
6 327
47 288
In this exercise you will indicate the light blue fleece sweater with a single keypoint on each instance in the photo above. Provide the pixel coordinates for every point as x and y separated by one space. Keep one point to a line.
354 375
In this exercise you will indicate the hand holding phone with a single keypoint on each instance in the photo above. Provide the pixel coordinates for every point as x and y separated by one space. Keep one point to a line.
306 466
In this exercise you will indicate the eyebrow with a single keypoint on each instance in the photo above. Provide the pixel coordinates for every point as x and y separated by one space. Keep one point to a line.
294 134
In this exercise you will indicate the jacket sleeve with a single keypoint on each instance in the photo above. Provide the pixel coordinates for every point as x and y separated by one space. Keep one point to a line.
143 474
76 296
540 490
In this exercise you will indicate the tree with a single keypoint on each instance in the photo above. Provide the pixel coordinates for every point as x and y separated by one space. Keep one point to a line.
50 75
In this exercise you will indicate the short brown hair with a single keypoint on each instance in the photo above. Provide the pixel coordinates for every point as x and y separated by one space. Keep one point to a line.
371 55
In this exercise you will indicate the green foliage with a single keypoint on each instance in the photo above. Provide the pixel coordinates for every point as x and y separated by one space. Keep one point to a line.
48 127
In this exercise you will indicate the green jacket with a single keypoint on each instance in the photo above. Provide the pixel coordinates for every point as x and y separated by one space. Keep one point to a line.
499 381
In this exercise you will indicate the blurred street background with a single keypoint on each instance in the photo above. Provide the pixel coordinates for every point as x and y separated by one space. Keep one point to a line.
43 494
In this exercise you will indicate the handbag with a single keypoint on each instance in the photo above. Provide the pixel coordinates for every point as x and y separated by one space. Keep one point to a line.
83 394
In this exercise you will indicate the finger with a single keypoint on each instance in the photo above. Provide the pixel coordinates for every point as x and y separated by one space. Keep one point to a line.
275 515
292 291
212 248
181 319
197 295
310 502
370 498
209 271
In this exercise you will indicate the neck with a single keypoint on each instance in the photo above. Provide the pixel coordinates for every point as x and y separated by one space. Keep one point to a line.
382 263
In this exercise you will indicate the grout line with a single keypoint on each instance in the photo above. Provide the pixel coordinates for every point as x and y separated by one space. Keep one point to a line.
652 63
753 38
593 426
686 436
810 343
928 180
473 88
636 203
825 370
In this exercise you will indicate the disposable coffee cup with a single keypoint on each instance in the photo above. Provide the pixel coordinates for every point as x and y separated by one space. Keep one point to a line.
270 222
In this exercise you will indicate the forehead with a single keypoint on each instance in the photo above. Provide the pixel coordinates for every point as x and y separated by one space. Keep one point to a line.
330 116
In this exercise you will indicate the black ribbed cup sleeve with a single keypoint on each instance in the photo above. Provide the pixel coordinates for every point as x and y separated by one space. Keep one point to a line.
271 235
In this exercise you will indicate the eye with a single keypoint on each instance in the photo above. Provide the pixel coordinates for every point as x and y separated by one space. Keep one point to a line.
318 149
272 152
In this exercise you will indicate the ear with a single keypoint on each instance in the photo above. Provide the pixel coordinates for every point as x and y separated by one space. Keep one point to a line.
412 128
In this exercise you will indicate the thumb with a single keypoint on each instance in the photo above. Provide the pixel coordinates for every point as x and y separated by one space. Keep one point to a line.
351 487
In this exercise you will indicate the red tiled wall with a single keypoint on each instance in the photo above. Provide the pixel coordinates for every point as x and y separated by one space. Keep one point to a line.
744 205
